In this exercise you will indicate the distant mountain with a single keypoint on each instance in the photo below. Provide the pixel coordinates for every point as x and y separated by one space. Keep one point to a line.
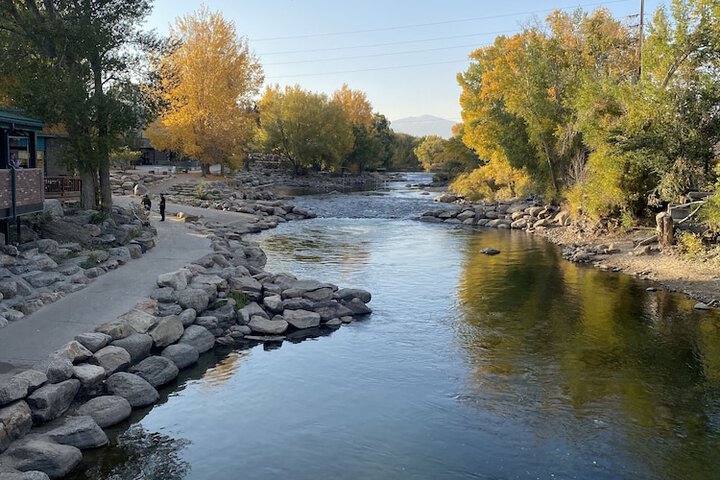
423 125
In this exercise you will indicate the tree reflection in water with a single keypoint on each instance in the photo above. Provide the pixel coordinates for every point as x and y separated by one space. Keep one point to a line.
138 455
591 356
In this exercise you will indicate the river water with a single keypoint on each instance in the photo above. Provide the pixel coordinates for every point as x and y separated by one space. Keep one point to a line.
516 366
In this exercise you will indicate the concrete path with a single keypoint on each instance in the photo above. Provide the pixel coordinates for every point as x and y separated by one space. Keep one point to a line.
33 338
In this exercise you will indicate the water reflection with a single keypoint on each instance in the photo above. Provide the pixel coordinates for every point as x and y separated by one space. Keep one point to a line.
591 356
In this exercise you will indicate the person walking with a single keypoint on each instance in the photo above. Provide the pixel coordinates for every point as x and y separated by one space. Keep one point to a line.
162 207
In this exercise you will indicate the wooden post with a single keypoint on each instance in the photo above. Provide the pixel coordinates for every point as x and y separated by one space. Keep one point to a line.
665 229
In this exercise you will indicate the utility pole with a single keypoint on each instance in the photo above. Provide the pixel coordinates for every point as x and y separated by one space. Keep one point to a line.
641 37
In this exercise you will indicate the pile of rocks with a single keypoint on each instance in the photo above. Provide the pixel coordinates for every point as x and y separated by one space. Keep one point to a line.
51 413
125 183
44 270
515 215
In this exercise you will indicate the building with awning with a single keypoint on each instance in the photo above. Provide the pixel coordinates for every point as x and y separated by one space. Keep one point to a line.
21 178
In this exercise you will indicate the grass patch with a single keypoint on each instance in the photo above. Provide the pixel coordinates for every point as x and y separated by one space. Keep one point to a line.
91 261
240 298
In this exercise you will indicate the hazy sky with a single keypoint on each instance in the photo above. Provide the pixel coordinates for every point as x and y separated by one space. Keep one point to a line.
404 54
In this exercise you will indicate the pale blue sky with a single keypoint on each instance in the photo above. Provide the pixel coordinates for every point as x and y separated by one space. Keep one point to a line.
404 54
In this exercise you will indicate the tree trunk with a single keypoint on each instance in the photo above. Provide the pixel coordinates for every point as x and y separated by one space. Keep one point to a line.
101 124
105 187
205 168
87 194
665 229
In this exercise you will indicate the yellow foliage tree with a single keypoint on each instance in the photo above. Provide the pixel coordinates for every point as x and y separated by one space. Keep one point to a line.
208 83
355 105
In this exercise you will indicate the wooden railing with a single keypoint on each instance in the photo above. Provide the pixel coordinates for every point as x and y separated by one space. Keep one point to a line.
62 187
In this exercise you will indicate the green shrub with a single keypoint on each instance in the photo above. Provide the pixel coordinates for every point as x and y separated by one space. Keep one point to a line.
240 298
91 261
202 191
690 244
99 217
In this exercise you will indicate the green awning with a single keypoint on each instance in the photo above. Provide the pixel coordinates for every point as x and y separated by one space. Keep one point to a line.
10 120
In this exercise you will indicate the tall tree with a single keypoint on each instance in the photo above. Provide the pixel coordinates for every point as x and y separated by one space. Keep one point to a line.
77 63
305 127
208 84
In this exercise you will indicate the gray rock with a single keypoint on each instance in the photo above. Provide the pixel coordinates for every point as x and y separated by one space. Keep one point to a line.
273 303
193 298
135 250
53 207
347 294
50 401
169 309
93 341
140 321
121 254
8 288
138 345
13 315
702 306
12 390
253 309
42 455
163 294
299 319
181 354
56 369
224 315
297 303
177 280
89 375
7 473
198 337
357 307
74 351
167 331
112 359
107 410
15 422
187 317
34 378
156 370
262 325
334 322
117 329
136 390
246 285
31 306
81 432
43 279
44 262
330 309
319 295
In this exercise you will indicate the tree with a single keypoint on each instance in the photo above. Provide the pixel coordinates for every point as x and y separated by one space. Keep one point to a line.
207 85
78 64
403 156
355 105
306 128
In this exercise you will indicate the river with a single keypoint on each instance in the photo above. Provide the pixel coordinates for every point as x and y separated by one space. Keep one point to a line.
516 366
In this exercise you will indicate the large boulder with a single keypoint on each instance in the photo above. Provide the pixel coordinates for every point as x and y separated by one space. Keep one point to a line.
43 455
198 337
56 369
15 422
156 370
107 410
357 307
297 303
264 326
347 294
140 321
53 207
167 331
93 341
193 298
300 319
90 376
81 432
12 390
247 285
273 303
178 279
136 390
330 309
50 401
181 354
112 359
74 351
116 329
187 316
138 345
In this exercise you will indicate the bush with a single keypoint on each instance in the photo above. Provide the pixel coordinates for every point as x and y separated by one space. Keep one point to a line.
202 191
690 244
240 298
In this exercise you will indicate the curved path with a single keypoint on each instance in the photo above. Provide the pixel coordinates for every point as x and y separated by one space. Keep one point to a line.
27 341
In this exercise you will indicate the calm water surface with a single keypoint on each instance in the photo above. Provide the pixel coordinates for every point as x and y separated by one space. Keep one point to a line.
518 366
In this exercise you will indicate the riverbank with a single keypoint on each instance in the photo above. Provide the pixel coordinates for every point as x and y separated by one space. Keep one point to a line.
629 252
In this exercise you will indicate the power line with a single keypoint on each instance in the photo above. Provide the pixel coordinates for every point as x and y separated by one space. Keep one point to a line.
366 69
386 44
446 22
376 55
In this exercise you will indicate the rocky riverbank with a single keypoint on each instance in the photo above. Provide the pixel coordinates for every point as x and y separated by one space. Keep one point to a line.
49 414
632 252
67 251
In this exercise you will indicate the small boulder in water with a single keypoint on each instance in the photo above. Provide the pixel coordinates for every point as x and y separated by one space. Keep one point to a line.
489 251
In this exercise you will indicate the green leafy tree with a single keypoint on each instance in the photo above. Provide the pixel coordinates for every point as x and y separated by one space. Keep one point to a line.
304 127
79 64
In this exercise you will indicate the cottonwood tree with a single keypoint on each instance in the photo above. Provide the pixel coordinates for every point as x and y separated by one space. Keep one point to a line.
78 64
304 127
208 82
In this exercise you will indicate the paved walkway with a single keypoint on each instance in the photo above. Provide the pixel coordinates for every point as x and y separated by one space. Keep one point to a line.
33 338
